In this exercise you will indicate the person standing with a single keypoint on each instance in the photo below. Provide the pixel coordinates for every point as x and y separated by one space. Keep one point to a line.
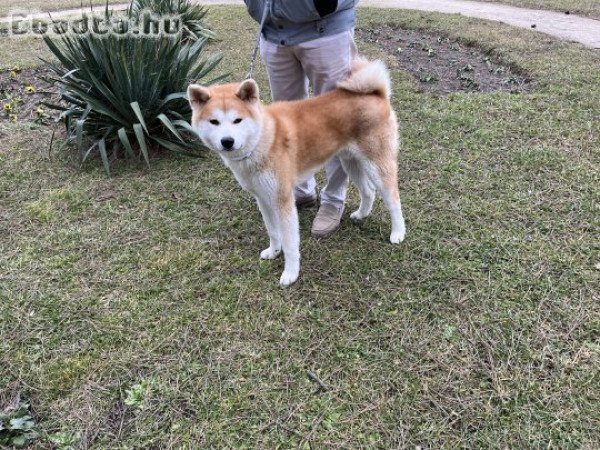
309 43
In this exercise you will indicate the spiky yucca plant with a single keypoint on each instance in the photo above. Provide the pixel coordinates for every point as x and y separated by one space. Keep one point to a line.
191 15
128 92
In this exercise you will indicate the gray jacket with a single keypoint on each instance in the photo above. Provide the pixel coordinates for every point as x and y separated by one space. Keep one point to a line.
291 22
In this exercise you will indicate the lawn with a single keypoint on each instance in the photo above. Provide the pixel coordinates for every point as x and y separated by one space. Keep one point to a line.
582 7
135 313
44 6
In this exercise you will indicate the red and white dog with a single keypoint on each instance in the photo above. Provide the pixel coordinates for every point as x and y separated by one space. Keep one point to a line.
271 148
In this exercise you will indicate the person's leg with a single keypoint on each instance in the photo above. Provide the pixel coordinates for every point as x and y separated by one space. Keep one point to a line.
325 62
286 76
288 82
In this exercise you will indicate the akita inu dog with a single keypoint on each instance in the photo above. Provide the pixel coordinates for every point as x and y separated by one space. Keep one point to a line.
271 148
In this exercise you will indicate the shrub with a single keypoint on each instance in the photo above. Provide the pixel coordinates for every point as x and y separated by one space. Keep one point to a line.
127 93
191 15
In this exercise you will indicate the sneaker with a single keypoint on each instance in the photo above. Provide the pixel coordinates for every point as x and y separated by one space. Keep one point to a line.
327 220
306 201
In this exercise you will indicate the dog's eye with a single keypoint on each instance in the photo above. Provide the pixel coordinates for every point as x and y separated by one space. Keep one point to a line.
214 122
238 120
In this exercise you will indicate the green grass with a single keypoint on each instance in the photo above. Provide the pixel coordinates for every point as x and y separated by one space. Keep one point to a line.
135 312
55 5
24 52
583 7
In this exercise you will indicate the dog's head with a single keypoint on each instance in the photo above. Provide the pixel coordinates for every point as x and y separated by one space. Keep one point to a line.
227 117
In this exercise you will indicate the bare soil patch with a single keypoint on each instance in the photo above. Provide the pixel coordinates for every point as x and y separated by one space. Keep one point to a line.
442 65
23 92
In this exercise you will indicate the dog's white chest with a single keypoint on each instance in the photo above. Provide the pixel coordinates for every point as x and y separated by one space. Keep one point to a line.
258 183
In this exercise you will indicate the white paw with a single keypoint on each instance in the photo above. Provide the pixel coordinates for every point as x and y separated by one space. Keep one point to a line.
288 278
356 216
270 253
397 237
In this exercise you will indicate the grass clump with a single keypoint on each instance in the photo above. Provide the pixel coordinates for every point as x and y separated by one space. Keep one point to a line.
137 396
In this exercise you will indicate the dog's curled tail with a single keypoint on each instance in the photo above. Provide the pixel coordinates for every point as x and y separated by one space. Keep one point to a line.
368 77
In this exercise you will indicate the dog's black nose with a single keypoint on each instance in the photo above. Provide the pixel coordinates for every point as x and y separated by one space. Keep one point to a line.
227 142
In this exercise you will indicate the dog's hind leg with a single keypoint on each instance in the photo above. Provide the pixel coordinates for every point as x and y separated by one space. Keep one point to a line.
356 172
386 180
290 236
391 198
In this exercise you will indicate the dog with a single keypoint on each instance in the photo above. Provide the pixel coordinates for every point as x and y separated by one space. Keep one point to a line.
270 149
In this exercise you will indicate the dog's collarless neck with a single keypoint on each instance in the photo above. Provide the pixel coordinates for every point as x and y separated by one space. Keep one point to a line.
241 158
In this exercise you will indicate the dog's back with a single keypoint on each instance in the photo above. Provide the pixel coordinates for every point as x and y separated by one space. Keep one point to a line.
354 115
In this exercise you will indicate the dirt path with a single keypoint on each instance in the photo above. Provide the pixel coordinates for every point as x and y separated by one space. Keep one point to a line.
568 27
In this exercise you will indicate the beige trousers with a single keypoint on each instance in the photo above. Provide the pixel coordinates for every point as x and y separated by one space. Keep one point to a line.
319 64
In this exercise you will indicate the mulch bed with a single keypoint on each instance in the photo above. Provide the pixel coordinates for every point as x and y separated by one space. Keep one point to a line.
442 65
22 93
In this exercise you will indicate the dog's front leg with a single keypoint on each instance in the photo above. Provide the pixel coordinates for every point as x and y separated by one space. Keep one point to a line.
269 216
290 237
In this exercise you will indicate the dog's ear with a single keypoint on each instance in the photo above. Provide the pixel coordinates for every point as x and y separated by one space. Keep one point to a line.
198 96
248 91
